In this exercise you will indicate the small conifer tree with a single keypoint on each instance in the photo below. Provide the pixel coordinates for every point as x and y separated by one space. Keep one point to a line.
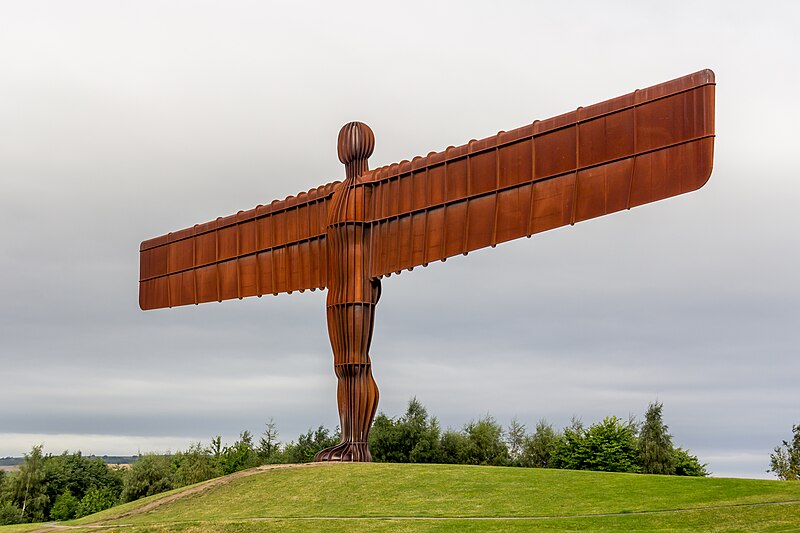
656 454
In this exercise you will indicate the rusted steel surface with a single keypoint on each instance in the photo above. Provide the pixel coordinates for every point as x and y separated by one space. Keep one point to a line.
635 149
352 297
280 247
638 148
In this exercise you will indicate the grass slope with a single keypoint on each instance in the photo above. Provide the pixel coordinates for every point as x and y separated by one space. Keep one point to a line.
386 497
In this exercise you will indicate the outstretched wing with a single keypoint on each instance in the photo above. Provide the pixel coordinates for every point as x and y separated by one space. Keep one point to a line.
635 149
273 248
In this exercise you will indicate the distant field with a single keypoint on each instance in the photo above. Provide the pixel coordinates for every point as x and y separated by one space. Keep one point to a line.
401 498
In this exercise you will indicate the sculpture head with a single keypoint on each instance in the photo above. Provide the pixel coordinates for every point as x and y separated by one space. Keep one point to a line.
355 145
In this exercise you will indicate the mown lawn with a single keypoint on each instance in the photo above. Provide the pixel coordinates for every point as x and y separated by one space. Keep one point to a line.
398 498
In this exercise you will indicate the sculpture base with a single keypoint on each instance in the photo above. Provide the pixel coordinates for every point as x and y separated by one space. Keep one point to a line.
346 452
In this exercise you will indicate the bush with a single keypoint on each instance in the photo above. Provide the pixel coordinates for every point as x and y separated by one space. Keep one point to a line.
538 449
608 446
239 456
687 464
194 465
486 446
65 508
453 447
149 475
785 459
11 514
309 444
76 474
413 438
96 500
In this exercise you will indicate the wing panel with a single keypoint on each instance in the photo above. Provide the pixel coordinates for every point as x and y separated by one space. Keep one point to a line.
552 203
516 161
638 148
513 212
555 152
481 221
455 229
267 250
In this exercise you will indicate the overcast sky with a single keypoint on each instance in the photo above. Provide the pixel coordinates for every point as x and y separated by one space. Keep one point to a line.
120 121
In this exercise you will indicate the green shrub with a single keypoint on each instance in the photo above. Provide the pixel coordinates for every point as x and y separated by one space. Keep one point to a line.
687 464
194 465
608 446
454 447
149 475
11 514
65 507
308 444
241 455
785 459
77 474
486 446
96 500
538 449
413 438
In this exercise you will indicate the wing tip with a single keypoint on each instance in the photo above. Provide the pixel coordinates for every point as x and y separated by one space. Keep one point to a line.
707 76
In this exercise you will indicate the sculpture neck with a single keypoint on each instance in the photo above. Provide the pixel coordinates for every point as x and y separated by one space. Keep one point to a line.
355 168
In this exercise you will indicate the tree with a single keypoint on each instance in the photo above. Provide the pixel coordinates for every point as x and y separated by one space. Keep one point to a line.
216 447
309 444
419 433
149 475
65 507
486 446
612 446
268 444
687 464
384 440
240 455
515 441
10 514
454 447
194 465
785 460
96 500
570 451
656 454
77 474
413 438
608 446
538 449
29 490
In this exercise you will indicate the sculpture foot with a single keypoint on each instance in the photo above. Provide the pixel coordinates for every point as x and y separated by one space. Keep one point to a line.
355 452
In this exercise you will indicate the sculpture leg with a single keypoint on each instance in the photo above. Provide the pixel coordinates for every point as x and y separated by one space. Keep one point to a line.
350 329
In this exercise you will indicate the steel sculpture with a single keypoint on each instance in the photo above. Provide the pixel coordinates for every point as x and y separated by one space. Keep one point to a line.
345 236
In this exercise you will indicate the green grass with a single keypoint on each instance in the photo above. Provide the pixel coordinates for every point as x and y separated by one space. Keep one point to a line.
398 498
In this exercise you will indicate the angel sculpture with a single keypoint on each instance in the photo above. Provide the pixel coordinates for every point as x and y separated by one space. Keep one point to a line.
346 236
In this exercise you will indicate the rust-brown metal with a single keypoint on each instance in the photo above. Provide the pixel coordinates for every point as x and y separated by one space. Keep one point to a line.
638 148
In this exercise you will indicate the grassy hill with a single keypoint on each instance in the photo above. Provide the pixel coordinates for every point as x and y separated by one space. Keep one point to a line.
399 498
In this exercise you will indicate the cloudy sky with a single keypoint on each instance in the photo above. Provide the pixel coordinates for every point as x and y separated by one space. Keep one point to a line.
120 121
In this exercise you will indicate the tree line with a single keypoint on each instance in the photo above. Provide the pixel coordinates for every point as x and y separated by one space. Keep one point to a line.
70 485
612 445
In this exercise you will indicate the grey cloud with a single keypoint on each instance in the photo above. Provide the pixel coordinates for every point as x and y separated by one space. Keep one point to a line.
123 121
